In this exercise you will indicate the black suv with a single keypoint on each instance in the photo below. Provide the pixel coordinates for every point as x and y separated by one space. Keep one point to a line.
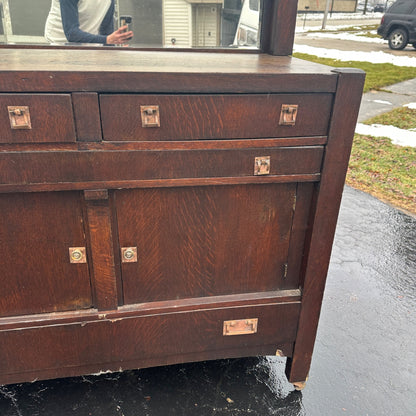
398 25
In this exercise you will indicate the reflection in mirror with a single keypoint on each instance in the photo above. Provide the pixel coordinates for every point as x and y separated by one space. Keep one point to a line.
155 23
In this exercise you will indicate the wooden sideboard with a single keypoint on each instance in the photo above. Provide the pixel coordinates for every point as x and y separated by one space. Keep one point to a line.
162 207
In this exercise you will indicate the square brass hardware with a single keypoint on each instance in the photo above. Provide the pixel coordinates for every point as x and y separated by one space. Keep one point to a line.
129 254
19 117
150 115
77 255
288 114
240 327
262 165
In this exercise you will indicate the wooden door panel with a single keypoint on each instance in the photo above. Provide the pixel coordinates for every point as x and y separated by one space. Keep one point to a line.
204 241
36 233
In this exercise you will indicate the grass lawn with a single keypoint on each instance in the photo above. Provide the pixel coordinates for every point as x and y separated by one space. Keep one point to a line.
385 170
402 118
377 166
378 75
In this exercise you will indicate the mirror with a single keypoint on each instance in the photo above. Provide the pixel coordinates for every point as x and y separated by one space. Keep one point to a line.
155 23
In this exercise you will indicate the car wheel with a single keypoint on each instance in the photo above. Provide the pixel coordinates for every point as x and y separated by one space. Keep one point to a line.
414 45
398 39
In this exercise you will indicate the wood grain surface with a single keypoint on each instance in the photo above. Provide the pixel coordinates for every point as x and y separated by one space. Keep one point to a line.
190 117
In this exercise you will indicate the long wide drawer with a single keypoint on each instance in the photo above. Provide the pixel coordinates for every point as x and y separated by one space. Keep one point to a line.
139 341
36 118
86 166
193 117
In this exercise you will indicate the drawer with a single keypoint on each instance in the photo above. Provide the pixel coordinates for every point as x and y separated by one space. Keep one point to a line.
140 341
36 118
118 165
194 117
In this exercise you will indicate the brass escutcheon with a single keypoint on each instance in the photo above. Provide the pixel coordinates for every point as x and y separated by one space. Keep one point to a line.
240 327
77 255
129 254
150 115
288 114
19 117
262 165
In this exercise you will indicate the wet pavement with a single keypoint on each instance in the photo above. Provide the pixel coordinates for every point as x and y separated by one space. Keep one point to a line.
363 363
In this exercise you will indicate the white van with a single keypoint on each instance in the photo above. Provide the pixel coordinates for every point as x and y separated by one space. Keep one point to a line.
248 25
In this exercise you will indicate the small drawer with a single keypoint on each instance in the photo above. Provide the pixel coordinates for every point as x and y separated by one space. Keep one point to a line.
36 118
194 117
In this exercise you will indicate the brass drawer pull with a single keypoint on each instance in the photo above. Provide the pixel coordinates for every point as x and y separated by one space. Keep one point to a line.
262 165
150 115
129 254
288 114
77 255
19 117
240 327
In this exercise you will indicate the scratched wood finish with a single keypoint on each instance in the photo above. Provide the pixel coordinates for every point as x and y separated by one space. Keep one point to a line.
190 241
36 231
51 118
103 342
190 117
324 219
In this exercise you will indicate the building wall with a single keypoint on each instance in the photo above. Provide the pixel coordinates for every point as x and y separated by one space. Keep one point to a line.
177 20
319 5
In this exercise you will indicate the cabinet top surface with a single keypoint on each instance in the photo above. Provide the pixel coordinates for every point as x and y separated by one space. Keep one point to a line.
115 70
154 61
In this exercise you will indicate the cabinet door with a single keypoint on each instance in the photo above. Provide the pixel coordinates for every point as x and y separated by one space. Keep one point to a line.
36 232
204 241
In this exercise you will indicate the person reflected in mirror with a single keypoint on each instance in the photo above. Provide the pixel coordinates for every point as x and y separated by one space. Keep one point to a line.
84 21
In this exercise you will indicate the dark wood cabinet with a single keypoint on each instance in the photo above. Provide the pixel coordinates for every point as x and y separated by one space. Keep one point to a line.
167 206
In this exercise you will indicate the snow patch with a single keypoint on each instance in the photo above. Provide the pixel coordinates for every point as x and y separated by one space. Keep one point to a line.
397 136
382 102
374 57
345 36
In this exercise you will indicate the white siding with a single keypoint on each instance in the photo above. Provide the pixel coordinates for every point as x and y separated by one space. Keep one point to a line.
177 21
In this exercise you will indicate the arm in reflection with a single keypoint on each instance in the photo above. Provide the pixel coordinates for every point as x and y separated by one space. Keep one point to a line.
82 21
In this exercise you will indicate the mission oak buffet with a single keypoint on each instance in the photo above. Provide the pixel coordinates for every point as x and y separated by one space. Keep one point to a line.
162 207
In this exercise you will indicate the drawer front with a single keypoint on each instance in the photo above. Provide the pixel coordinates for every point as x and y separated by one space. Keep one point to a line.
97 166
194 117
143 340
38 118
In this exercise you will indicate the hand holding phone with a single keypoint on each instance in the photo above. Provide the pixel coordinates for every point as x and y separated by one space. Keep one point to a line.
128 22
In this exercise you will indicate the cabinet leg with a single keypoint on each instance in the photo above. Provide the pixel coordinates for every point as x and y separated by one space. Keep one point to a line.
297 371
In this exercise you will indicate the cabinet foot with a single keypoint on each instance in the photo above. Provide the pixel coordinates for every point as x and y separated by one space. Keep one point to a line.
299 385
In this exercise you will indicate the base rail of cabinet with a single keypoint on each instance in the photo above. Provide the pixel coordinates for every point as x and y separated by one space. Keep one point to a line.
146 335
